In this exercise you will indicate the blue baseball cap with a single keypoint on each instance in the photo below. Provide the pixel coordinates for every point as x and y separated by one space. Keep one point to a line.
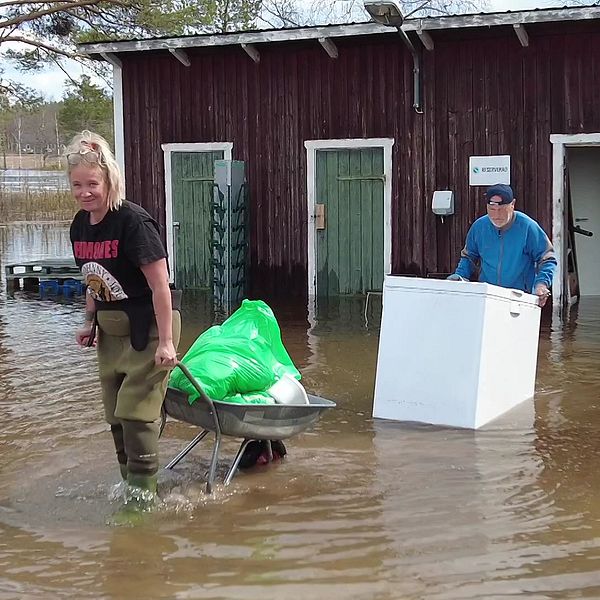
501 190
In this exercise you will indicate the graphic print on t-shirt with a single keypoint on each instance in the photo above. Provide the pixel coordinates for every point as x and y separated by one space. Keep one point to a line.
96 250
102 285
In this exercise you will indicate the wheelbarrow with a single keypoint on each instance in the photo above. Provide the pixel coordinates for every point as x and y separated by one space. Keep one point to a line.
247 422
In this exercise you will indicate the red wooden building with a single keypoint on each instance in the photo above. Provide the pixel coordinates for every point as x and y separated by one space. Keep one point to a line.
346 131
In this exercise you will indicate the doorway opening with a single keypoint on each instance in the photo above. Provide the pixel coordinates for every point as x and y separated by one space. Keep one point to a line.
576 217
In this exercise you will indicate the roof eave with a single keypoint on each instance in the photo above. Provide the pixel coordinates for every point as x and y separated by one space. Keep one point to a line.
352 30
233 39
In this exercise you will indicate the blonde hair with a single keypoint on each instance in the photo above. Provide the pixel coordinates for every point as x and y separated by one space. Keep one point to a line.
94 150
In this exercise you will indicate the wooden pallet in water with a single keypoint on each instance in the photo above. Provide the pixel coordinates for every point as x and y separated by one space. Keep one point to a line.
28 274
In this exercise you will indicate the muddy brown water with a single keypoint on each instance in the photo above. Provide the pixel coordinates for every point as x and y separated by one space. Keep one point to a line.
360 509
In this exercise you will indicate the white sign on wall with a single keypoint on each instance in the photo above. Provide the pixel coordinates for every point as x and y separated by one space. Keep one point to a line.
488 170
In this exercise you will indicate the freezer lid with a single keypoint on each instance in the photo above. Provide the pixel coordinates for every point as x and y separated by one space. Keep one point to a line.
458 287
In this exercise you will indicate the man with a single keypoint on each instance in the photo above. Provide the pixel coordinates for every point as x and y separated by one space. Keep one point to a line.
509 248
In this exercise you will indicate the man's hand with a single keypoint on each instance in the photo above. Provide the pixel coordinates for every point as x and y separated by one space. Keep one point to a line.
455 277
542 292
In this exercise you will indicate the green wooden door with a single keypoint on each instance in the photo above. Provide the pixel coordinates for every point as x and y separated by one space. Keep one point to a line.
349 249
192 178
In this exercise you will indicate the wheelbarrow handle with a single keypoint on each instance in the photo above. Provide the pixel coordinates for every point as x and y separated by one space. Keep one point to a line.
201 392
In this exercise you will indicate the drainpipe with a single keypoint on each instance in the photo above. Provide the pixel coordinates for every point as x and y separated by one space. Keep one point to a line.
416 71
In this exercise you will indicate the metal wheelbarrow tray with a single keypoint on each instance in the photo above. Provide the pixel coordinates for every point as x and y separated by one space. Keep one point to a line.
247 421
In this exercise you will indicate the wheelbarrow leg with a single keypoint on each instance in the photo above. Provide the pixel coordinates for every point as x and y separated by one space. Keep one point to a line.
188 449
213 463
236 462
269 450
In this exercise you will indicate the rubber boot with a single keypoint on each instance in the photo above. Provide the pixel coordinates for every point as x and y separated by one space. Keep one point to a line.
140 499
123 469
140 442
146 483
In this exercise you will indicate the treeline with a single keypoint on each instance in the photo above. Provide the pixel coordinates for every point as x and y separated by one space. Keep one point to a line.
43 128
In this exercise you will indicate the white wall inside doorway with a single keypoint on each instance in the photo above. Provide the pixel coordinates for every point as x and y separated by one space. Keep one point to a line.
584 177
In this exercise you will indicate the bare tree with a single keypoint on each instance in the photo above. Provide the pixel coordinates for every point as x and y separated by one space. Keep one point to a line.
294 13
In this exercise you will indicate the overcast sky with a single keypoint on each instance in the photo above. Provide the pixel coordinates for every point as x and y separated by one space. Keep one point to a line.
502 5
51 83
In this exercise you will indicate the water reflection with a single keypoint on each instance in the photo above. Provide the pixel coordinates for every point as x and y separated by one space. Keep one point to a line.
359 509
32 241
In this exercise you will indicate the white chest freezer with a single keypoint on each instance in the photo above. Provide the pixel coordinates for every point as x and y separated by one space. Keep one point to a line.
454 353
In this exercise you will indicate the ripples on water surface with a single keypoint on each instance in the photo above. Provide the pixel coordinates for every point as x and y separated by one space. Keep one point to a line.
360 509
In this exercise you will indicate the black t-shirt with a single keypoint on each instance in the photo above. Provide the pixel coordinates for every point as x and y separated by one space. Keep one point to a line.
111 252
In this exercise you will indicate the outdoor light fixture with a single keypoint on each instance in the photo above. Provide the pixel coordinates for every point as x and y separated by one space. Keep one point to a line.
386 13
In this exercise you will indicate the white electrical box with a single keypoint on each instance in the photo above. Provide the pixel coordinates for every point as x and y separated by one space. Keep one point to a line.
443 203
454 353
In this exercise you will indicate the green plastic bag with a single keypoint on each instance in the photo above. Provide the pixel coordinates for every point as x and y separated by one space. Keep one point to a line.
238 360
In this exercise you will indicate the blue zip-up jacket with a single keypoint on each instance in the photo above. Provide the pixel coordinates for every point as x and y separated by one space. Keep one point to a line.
518 256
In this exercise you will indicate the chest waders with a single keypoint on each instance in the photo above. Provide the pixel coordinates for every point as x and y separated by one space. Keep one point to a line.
133 387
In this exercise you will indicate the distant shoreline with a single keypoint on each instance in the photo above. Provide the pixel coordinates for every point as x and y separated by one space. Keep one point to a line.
45 220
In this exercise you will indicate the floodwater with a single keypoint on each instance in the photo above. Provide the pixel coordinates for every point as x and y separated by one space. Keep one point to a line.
358 510
32 180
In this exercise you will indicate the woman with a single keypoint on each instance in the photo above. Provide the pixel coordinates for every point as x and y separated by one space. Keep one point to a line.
118 248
